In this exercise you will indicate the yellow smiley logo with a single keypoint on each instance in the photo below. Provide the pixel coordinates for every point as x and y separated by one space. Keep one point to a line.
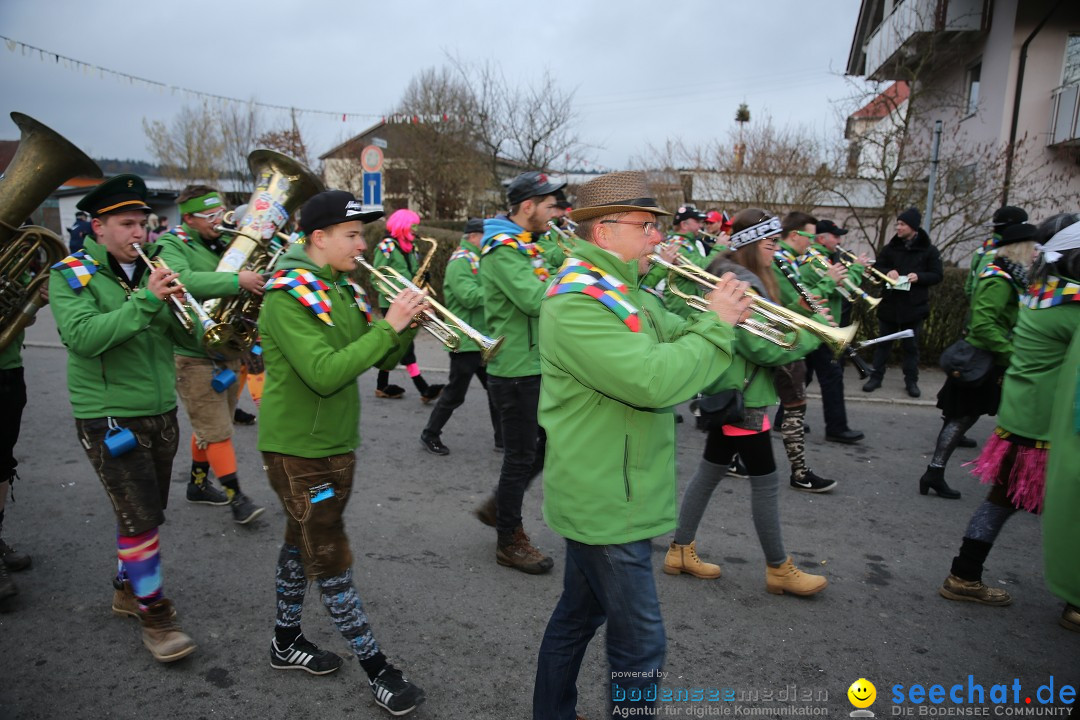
862 693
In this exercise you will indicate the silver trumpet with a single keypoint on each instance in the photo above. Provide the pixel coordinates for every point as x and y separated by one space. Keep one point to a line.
437 320
180 307
781 325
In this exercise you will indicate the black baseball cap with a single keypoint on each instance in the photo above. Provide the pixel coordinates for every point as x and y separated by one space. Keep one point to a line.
122 193
687 212
474 225
333 207
529 185
828 226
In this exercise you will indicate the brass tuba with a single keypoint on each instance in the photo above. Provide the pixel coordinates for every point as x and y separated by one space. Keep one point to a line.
44 161
281 186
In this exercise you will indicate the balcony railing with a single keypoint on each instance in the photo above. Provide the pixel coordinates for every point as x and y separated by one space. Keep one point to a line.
1064 110
902 33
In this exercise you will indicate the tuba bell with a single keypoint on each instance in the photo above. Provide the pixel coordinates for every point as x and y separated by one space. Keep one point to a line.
44 161
281 186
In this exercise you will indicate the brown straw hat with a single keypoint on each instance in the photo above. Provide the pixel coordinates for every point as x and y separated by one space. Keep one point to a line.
615 192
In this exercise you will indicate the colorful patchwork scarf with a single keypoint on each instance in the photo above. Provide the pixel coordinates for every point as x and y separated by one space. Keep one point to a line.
524 245
578 276
77 269
361 299
462 253
1050 292
387 247
305 287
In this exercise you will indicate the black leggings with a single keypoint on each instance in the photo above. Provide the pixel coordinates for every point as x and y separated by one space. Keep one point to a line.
755 451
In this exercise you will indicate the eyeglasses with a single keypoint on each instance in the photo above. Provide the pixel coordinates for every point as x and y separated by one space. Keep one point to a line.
806 234
646 227
212 216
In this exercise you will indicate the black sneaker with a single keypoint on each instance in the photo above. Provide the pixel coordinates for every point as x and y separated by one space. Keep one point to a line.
912 388
394 693
434 446
737 469
812 483
241 417
872 384
243 510
206 494
303 655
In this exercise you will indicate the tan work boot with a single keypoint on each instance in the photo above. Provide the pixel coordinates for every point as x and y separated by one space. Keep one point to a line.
956 588
684 559
790 579
1070 618
161 635
124 601
517 552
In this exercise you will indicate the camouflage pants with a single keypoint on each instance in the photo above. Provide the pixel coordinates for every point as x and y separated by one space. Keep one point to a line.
314 492
137 482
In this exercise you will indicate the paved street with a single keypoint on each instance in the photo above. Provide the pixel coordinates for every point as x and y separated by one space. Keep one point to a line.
468 630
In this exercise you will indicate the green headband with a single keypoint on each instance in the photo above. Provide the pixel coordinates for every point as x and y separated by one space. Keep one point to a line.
199 204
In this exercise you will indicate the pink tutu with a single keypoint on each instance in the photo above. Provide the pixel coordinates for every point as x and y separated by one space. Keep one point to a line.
1020 468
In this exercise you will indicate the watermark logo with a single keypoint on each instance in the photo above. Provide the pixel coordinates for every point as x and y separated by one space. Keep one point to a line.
862 694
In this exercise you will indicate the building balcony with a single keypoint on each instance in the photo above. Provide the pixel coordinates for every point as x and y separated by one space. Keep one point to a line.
1064 112
914 27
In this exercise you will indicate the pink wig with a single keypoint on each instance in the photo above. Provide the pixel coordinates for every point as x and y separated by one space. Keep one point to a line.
400 224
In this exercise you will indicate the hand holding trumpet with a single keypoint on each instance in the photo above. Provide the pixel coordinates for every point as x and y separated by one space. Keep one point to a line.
404 308
729 299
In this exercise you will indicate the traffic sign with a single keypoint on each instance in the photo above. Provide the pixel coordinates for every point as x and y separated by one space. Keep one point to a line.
371 159
372 189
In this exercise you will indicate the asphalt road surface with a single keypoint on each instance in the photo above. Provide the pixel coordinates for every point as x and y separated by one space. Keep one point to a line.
467 630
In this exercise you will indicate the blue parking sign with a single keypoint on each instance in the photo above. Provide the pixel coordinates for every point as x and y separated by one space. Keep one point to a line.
372 195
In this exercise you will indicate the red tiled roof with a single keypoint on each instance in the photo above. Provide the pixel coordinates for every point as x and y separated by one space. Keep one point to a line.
885 103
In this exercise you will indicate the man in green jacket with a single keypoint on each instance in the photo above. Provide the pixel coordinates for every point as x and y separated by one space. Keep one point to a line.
463 296
612 370
112 316
193 250
318 336
514 276
686 226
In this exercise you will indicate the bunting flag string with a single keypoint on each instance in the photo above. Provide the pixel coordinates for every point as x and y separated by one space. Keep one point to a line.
70 63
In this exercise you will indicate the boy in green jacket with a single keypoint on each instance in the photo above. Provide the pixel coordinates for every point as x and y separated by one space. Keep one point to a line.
318 336
612 370
464 297
193 250
514 276
112 317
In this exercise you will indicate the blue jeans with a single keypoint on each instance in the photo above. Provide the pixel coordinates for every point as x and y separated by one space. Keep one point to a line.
602 582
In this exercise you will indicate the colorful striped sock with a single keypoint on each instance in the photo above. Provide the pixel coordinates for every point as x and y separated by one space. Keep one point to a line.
341 599
291 586
140 557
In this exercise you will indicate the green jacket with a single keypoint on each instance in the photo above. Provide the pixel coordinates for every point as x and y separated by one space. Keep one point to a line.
512 295
687 246
1040 340
120 360
1060 530
789 296
311 404
389 253
462 293
979 260
553 254
813 274
189 256
606 403
994 307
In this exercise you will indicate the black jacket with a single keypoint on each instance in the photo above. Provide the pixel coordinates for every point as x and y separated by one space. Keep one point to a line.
921 258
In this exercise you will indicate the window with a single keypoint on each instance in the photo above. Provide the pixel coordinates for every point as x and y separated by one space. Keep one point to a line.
972 84
1070 72
961 180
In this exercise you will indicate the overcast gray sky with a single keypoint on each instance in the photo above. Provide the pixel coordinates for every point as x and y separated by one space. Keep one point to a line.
643 71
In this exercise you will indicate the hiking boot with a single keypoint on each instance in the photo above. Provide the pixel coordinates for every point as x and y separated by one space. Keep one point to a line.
517 552
486 512
934 479
303 655
12 558
7 585
124 601
394 693
1070 618
161 635
391 392
205 493
789 579
812 483
434 446
240 417
684 559
431 392
243 510
872 384
912 388
737 469
955 588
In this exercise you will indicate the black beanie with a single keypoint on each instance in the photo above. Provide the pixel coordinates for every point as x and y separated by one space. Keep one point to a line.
912 217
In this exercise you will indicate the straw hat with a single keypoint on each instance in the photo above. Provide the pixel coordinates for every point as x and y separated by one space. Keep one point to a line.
615 192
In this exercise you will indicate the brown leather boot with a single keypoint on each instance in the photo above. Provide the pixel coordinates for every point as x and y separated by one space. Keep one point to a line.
161 634
684 559
124 601
957 588
517 552
790 579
